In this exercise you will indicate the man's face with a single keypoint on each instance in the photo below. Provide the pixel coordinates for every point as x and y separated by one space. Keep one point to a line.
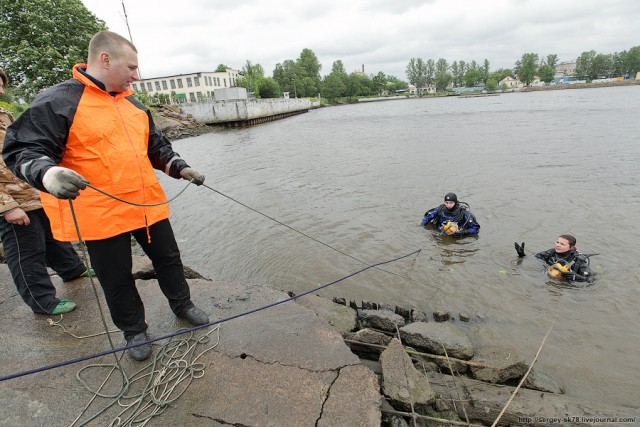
449 204
123 70
562 245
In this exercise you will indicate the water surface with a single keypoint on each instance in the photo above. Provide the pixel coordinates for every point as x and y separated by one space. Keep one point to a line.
360 177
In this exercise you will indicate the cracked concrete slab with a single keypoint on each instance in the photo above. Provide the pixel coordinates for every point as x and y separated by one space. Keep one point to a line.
279 366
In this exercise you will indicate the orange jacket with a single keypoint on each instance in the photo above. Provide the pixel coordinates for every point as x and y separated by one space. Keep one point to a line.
111 141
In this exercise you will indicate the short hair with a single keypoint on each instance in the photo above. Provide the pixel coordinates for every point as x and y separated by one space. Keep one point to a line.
108 41
3 76
569 238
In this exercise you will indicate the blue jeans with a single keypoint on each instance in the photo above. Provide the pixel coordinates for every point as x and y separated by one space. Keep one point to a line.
29 249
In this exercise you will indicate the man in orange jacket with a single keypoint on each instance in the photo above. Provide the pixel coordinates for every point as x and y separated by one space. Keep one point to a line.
90 129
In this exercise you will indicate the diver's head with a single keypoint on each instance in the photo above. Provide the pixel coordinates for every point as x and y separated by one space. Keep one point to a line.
564 243
450 201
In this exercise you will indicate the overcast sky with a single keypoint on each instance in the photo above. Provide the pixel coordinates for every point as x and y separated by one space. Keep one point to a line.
184 36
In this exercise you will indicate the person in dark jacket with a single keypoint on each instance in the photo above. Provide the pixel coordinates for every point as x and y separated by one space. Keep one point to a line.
27 240
564 260
452 217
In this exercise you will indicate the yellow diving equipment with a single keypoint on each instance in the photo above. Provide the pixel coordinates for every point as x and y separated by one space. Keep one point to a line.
556 270
450 227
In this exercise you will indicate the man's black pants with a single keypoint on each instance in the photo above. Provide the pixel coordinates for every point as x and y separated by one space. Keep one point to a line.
112 262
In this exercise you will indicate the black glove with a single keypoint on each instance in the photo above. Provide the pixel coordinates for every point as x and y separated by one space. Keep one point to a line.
63 183
192 175
460 233
519 249
569 275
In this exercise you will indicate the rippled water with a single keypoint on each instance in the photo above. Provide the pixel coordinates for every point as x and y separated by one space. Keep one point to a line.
360 177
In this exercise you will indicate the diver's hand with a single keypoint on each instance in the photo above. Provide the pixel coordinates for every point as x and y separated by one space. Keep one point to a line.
519 249
192 175
460 233
63 183
569 275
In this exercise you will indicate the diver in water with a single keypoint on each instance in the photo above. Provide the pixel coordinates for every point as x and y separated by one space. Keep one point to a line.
564 260
452 217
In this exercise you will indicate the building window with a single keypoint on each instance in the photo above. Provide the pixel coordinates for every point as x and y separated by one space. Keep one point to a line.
157 85
180 83
189 84
199 96
225 82
164 85
192 97
149 87
196 81
172 83
133 86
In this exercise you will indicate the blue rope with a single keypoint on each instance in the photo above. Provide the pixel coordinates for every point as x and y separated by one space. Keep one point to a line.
184 331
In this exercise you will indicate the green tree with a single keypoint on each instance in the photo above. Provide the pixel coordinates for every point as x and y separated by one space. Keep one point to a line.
546 73
417 72
221 68
431 72
379 83
602 65
394 84
455 73
42 40
617 66
358 85
443 78
584 64
527 68
552 60
252 76
309 67
491 84
631 61
484 71
269 88
288 75
471 76
333 87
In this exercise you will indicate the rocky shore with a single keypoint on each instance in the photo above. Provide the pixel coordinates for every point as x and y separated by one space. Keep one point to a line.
174 125
429 371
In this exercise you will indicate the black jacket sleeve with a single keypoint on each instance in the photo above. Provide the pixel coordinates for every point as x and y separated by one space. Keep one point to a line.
36 141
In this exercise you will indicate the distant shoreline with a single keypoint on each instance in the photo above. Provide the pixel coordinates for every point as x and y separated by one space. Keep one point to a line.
581 86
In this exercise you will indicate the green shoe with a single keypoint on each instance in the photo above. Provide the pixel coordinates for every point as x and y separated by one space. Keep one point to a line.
88 273
64 306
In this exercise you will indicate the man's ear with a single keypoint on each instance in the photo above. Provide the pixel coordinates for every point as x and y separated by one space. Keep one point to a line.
105 60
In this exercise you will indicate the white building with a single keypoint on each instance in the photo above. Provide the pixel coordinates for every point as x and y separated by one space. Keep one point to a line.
188 87
566 69
511 83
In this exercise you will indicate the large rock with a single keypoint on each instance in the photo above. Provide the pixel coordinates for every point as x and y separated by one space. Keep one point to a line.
540 381
484 402
342 318
401 381
502 364
436 337
381 319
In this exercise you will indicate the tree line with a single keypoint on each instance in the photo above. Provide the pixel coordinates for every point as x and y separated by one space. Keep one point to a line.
42 40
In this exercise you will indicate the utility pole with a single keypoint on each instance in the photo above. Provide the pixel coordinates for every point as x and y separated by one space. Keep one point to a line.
126 21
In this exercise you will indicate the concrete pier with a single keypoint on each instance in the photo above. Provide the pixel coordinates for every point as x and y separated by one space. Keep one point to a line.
244 112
